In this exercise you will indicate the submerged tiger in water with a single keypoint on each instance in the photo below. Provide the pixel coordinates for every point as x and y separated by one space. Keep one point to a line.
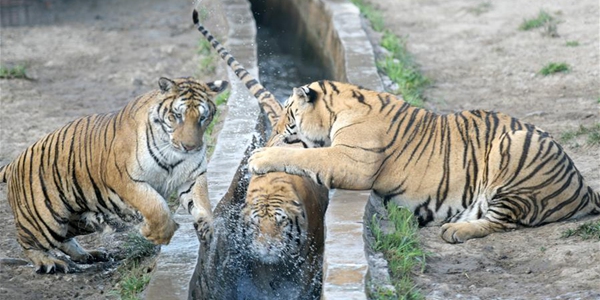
282 215
479 172
120 163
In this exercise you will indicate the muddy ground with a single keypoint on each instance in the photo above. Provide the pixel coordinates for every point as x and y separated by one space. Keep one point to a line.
84 57
98 55
477 57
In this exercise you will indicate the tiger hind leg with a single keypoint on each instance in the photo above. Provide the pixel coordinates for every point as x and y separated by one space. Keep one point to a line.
479 220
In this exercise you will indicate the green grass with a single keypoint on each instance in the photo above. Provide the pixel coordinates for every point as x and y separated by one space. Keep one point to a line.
592 133
210 137
372 14
208 58
398 64
553 67
134 275
543 19
589 230
572 43
17 71
402 250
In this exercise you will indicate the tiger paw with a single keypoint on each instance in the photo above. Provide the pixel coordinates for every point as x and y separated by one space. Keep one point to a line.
460 232
91 257
160 234
204 230
46 263
263 160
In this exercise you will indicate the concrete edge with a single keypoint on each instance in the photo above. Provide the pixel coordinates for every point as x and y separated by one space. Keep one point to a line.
176 262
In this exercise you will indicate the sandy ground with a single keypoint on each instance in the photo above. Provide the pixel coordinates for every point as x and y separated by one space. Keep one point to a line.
101 54
95 58
477 58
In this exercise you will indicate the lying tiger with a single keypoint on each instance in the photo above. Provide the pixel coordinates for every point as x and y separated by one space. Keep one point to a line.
282 215
480 172
73 179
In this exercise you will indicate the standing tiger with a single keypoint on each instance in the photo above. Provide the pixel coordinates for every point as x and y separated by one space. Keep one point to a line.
103 165
480 172
282 215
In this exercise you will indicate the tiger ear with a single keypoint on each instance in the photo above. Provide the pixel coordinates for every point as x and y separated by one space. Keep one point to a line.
307 94
217 86
165 84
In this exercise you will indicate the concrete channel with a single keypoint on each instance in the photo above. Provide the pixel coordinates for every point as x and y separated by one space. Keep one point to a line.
349 266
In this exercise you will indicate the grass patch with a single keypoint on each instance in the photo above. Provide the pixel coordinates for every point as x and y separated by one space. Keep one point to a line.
402 249
372 14
543 18
592 133
398 64
211 137
589 230
134 274
208 59
15 72
572 43
553 67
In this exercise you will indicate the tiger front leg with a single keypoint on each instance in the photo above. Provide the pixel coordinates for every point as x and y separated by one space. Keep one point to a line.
80 255
194 198
334 167
158 225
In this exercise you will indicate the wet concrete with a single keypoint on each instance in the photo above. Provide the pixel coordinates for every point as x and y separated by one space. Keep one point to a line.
177 261
345 48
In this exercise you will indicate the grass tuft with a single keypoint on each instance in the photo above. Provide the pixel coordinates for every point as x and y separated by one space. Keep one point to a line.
402 249
592 133
15 72
542 19
208 59
589 230
220 100
372 14
398 64
572 43
553 67
134 275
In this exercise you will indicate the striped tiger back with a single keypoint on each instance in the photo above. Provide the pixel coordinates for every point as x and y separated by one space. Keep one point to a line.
105 167
479 171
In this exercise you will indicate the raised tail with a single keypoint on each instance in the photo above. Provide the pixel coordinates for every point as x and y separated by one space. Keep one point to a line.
271 107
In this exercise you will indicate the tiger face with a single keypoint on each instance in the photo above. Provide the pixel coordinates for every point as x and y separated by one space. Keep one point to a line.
275 222
306 119
185 111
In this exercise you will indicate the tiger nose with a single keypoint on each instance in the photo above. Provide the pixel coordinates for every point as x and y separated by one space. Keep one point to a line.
188 147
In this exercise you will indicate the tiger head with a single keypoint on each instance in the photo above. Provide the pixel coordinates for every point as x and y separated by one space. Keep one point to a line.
185 109
275 221
307 118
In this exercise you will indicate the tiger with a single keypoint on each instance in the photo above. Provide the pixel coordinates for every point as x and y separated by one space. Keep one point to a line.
473 172
282 215
114 165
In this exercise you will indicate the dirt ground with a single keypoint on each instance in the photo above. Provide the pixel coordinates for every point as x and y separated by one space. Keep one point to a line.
101 54
97 56
477 57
